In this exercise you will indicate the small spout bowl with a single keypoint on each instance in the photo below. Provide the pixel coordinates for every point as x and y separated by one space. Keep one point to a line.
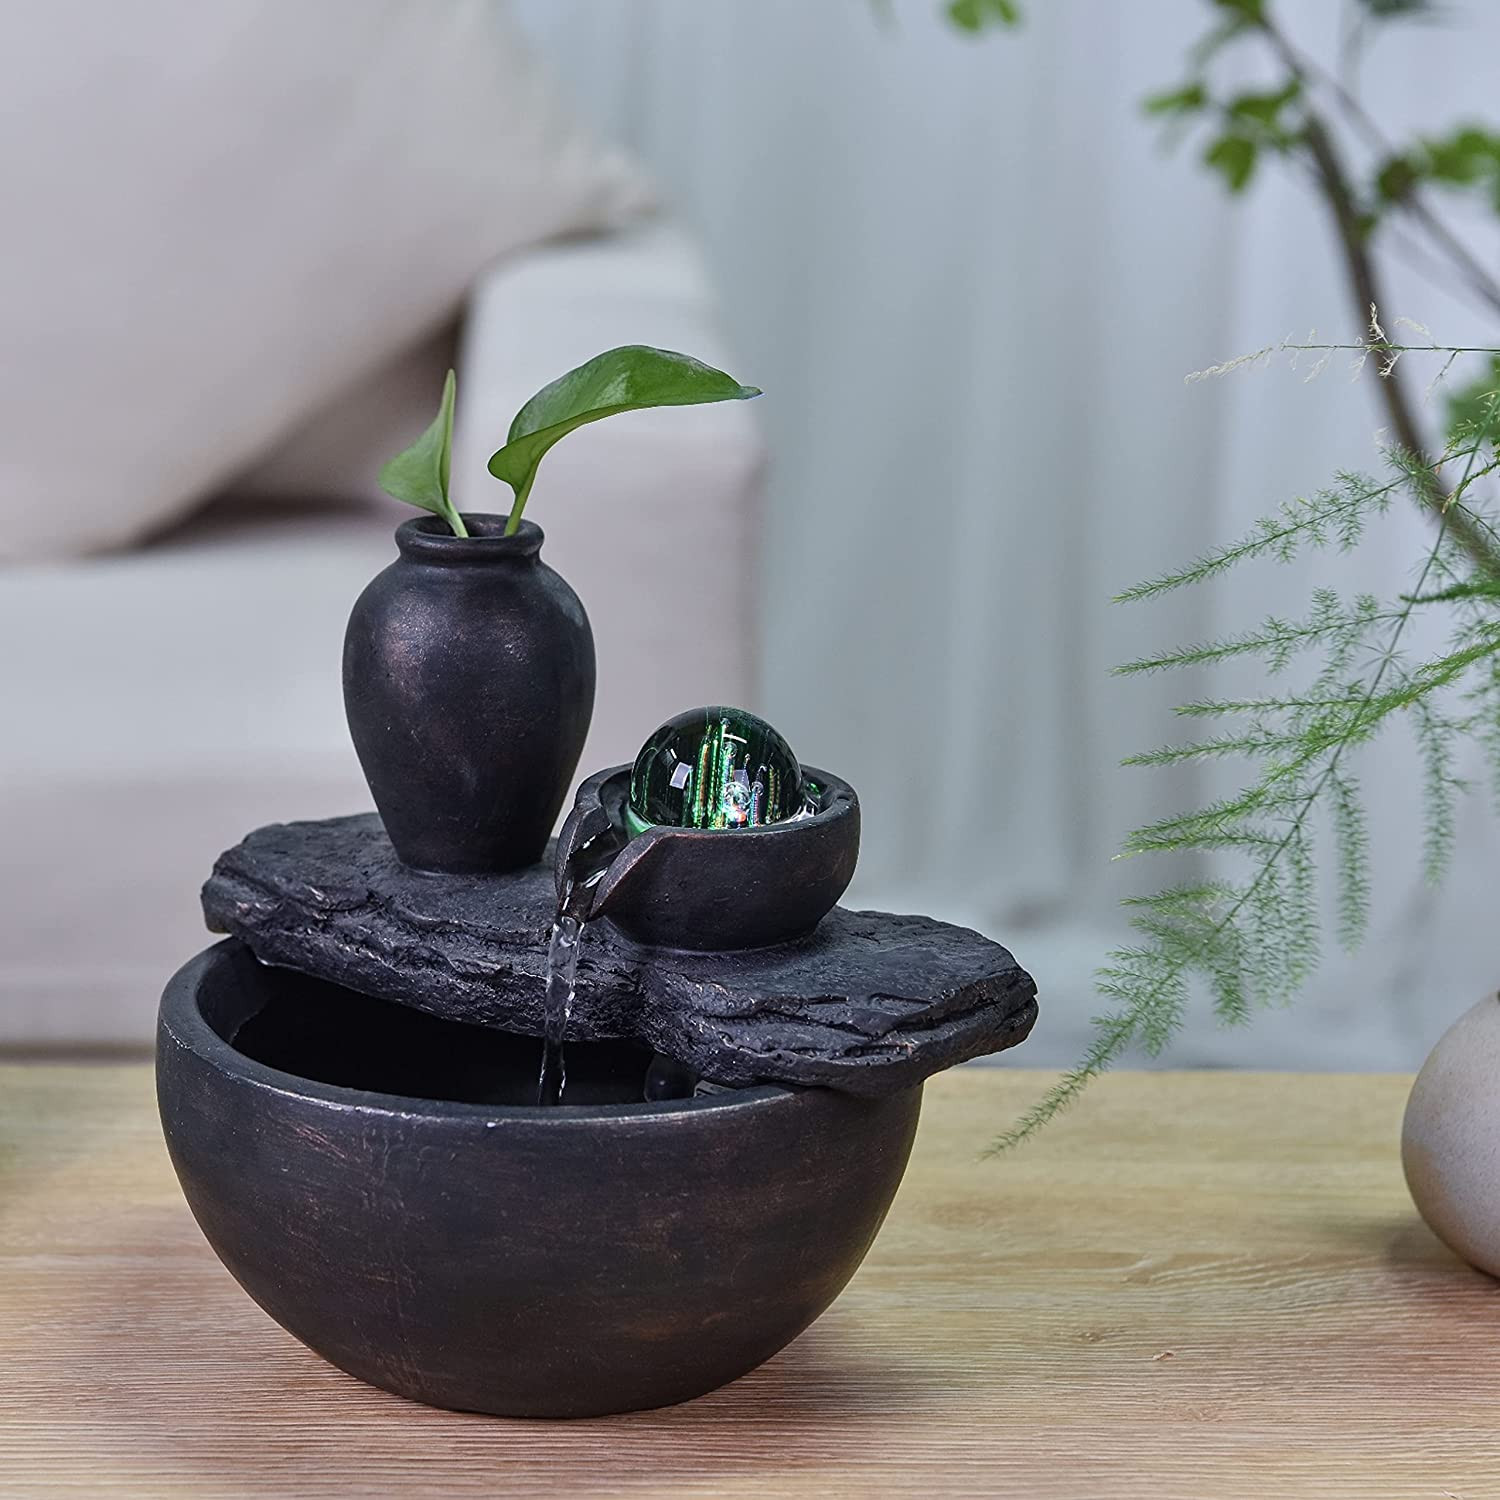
716 890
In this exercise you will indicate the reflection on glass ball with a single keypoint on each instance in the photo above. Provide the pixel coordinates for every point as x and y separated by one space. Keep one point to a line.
714 767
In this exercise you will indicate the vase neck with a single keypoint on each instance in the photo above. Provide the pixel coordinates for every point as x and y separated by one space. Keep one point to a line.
428 539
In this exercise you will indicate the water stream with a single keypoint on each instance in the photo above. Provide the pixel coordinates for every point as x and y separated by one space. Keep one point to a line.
666 1078
561 984
587 866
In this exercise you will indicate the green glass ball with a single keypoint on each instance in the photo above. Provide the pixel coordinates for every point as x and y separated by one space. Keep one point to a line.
714 767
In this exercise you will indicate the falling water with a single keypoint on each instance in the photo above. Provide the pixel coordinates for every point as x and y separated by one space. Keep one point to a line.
665 1078
586 868
562 981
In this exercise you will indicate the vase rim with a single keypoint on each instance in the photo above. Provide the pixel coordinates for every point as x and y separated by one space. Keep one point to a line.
429 538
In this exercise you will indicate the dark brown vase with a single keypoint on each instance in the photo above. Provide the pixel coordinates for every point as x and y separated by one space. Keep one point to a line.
468 685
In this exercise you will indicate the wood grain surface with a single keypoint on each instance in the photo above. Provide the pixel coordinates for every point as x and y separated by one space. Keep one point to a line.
1197 1285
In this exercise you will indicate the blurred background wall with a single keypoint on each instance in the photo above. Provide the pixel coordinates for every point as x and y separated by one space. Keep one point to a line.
971 282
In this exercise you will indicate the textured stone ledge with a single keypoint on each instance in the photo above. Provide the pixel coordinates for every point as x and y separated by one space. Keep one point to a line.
868 1003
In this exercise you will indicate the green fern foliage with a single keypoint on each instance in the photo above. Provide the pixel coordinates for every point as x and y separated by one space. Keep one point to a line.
1253 938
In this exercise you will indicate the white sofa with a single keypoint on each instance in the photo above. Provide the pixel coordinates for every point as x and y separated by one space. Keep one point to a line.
161 702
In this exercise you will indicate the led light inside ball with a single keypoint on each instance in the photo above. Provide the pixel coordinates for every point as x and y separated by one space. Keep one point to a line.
714 767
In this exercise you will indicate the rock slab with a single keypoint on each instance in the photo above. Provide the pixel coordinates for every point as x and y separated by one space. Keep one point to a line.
868 1003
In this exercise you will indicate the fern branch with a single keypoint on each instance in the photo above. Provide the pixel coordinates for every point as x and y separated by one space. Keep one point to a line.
1275 639
1351 843
1112 1035
1262 938
1340 511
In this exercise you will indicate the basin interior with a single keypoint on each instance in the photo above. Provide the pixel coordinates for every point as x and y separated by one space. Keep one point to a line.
331 1035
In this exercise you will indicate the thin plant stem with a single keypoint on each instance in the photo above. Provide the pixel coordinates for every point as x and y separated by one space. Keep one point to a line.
1478 277
1366 292
1385 346
513 522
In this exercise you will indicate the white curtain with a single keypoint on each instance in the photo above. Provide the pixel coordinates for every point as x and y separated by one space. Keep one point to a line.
971 282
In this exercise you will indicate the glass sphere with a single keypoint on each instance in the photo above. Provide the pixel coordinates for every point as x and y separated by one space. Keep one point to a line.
714 767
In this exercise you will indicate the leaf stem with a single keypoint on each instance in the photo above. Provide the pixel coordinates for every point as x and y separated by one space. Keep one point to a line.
513 521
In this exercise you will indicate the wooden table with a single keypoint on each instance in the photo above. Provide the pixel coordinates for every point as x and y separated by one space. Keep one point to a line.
1197 1285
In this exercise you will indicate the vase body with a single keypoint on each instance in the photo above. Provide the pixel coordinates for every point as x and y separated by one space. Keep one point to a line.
468 686
1450 1140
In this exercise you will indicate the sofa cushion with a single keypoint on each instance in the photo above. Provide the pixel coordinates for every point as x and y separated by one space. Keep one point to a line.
188 691
220 216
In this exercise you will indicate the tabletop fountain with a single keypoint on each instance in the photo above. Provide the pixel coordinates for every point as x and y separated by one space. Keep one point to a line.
553 1127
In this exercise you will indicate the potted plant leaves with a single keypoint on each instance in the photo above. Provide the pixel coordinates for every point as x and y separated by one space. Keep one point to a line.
468 662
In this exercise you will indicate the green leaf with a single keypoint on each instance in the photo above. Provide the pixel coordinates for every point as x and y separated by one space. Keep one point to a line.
1397 176
419 474
1468 157
1465 157
1262 110
1180 101
1234 156
1474 409
1394 10
627 379
977 15
1252 12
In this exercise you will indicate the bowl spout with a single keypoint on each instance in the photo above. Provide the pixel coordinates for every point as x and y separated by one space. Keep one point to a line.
707 889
